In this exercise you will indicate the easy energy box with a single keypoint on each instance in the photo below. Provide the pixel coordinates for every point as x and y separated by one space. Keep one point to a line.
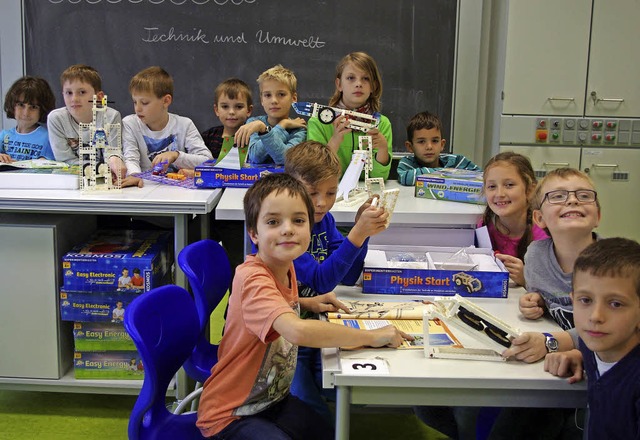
101 336
135 261
451 184
389 270
208 175
118 365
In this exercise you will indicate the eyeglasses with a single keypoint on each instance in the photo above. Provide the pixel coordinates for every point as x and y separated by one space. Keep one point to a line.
562 195
477 323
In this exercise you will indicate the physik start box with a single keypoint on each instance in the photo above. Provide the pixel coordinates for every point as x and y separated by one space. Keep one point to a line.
434 271
451 184
208 175
124 261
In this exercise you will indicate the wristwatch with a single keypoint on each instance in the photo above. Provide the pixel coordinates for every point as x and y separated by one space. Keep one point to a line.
550 342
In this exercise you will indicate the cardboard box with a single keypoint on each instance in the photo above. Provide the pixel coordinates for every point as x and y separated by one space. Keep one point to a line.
101 336
389 270
116 365
134 261
451 184
208 175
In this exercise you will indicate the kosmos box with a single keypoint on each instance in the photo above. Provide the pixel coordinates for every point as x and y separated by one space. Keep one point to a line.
451 184
119 365
125 261
101 336
208 175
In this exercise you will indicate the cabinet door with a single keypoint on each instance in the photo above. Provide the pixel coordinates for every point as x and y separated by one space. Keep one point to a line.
545 159
546 57
616 175
614 59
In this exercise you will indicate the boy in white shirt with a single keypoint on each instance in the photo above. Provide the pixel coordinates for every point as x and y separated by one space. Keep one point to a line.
153 135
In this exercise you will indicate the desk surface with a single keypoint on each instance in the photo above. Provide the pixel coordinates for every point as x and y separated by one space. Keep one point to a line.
153 198
409 210
414 379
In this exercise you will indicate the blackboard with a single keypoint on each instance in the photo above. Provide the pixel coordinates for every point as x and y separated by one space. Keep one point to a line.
202 42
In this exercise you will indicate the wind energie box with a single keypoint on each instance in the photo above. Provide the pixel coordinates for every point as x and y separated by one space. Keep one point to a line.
451 184
430 270
126 261
119 365
101 336
208 175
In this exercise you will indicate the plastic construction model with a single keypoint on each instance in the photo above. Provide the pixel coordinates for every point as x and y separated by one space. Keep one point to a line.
491 333
360 160
96 147
357 121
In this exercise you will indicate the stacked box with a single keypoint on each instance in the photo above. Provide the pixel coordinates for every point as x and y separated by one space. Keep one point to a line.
451 184
118 365
208 175
101 277
101 336
126 261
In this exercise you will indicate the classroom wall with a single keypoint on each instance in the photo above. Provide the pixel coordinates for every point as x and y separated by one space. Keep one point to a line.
473 124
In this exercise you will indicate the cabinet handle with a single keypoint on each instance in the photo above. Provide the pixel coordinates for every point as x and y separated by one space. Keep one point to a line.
555 164
597 100
555 98
601 165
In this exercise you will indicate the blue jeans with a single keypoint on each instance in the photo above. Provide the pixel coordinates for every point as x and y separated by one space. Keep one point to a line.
307 382
289 419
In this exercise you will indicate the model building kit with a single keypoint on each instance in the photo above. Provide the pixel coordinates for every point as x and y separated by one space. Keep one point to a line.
123 365
451 184
485 335
436 271
325 114
101 336
123 261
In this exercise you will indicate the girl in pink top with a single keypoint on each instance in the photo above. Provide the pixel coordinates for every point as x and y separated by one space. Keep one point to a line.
509 184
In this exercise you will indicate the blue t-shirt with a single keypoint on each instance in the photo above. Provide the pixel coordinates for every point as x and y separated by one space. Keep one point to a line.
26 146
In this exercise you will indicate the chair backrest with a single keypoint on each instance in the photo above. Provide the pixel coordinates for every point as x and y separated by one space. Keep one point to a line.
206 266
163 324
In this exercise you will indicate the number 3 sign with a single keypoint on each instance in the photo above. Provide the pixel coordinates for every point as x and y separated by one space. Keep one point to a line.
365 367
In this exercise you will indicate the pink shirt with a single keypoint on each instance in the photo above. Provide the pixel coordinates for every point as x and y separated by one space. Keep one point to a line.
507 245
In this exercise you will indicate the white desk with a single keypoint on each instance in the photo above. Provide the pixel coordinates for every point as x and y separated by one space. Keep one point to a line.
153 199
416 380
415 221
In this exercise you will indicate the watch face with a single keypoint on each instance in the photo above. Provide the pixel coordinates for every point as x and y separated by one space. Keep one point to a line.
326 115
552 344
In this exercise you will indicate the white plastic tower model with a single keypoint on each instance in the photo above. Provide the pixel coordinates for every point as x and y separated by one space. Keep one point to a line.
349 193
103 142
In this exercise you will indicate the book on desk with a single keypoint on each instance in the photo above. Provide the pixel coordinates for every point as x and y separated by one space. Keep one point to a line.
39 174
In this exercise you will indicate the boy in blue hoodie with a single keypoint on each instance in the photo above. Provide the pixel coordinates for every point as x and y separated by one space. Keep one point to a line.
331 259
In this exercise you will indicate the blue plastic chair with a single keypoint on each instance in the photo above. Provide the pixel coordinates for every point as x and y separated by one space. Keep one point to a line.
207 268
163 324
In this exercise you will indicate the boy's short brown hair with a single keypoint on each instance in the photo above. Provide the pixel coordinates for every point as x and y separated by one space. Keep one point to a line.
154 80
611 257
34 91
423 120
260 190
311 162
560 173
233 88
83 73
281 74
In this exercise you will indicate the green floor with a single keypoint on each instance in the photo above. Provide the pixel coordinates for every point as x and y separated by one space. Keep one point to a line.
27 415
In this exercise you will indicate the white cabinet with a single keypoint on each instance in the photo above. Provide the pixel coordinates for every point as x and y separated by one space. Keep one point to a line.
559 52
615 173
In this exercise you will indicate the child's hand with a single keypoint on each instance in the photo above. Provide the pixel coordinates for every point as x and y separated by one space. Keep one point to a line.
388 336
324 303
565 364
243 135
364 206
515 266
372 221
380 145
529 347
132 181
168 156
289 124
187 172
340 128
532 305
5 158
